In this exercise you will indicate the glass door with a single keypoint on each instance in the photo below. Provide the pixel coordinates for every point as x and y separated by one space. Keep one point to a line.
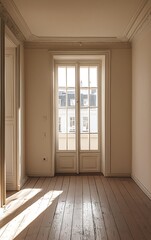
77 118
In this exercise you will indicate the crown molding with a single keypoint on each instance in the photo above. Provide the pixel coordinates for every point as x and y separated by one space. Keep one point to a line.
10 23
78 45
14 20
139 20
13 11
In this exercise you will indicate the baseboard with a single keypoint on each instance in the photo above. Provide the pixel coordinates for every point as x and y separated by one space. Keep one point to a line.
22 182
39 175
118 175
142 187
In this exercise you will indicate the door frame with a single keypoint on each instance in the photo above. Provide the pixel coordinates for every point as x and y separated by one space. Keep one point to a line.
78 157
17 46
104 57
2 115
6 32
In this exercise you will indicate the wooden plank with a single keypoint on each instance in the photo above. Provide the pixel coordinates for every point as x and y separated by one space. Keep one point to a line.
47 216
15 218
27 214
111 228
133 226
99 226
16 201
65 232
77 213
88 207
121 224
138 201
54 232
5 218
88 227
141 221
142 196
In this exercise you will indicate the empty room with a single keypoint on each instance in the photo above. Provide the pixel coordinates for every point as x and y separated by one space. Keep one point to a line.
75 120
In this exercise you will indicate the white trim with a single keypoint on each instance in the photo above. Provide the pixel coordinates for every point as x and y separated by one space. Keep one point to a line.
142 187
142 13
77 44
39 174
17 17
133 21
2 115
103 55
11 37
119 175
141 19
23 181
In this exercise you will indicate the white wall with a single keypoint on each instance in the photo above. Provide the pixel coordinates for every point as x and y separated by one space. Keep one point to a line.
38 76
141 107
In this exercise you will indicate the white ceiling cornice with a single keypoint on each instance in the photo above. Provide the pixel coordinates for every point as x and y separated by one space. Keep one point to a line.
17 17
10 23
139 19
78 46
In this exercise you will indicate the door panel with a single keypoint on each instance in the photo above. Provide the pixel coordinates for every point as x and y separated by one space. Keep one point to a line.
66 162
89 162
77 118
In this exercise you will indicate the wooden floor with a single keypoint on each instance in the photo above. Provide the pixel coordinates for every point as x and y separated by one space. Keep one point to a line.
77 207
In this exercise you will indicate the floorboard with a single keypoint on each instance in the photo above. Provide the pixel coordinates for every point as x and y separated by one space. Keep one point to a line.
85 207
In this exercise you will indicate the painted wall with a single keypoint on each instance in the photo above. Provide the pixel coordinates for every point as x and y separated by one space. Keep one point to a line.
38 111
141 108
121 111
38 75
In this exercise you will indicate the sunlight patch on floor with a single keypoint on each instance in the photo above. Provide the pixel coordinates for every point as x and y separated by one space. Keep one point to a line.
27 216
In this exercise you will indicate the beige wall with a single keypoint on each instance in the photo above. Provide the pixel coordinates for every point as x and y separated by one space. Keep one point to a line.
38 76
121 111
141 105
38 111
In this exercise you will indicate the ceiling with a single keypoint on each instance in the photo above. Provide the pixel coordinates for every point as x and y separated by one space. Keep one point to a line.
104 19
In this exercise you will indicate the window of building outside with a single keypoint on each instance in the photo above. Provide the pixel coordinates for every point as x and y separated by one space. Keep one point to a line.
87 107
72 124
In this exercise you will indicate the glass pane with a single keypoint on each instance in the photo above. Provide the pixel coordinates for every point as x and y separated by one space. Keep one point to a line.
62 142
62 98
71 142
61 76
71 76
71 97
84 120
93 120
93 141
62 121
71 120
93 76
83 76
93 98
84 140
84 100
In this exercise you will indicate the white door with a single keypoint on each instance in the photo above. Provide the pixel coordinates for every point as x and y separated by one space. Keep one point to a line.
78 117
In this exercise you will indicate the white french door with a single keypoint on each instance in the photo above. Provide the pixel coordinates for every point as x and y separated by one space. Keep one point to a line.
78 117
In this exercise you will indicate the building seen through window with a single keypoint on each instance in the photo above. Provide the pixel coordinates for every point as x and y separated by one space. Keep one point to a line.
68 98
